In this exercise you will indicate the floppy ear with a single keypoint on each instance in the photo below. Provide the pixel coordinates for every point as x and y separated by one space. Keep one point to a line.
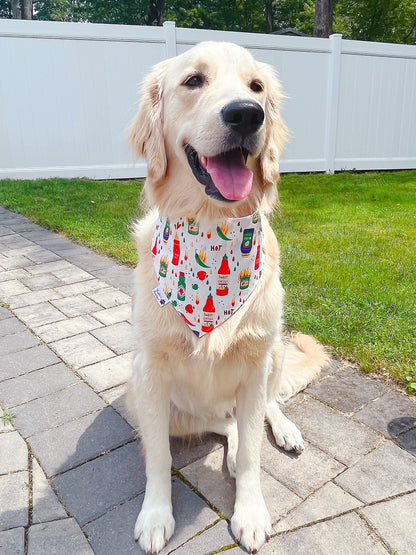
146 129
276 130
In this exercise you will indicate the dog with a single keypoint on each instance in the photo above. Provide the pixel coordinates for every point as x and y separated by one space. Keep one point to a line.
208 301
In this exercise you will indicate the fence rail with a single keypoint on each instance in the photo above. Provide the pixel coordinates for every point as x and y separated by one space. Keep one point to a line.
69 90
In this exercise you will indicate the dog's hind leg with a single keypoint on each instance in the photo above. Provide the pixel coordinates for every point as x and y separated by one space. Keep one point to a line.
296 363
149 395
285 433
183 424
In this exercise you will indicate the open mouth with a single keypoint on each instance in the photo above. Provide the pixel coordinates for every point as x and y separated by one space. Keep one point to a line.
225 176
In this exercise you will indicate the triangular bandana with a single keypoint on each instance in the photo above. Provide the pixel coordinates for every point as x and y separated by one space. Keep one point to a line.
207 273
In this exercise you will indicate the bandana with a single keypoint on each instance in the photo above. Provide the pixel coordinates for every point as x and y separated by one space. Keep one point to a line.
207 273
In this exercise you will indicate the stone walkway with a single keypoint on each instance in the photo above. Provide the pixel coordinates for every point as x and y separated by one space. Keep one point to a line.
71 472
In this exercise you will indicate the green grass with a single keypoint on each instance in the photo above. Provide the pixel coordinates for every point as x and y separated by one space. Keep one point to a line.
349 265
348 252
7 417
94 213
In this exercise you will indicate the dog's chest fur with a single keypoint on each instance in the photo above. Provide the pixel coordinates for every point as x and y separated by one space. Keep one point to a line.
206 372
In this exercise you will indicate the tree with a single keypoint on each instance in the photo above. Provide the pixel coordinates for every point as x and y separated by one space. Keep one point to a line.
155 15
17 9
324 14
27 9
268 12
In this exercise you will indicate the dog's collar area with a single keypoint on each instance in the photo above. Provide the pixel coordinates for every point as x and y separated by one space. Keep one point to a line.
236 157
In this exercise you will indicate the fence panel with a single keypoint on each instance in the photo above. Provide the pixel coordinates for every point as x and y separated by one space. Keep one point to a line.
69 90
377 107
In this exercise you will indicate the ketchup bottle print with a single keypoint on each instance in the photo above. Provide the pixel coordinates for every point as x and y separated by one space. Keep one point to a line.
176 250
154 249
257 262
223 277
208 316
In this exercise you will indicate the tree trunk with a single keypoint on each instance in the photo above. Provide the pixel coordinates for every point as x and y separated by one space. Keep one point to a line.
156 8
27 9
16 12
268 12
324 13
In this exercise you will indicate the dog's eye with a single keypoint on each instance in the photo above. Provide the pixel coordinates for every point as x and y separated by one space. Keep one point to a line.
195 81
256 86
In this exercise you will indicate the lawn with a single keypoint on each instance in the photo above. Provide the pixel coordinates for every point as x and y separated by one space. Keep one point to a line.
348 252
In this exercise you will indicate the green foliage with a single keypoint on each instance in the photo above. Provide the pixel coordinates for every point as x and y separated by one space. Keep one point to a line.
378 20
298 14
57 10
231 15
411 385
5 9
131 12
7 417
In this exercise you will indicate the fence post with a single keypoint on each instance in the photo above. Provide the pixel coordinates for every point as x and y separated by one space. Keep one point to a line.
334 72
170 38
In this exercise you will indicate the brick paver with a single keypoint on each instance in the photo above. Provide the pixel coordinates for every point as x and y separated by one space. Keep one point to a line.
12 541
59 536
12 443
80 440
72 473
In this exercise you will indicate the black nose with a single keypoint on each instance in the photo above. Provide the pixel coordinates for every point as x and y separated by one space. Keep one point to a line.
243 116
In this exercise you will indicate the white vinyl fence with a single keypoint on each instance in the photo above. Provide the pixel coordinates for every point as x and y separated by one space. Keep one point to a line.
69 90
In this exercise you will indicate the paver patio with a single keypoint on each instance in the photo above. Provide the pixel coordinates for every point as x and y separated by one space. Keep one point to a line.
71 471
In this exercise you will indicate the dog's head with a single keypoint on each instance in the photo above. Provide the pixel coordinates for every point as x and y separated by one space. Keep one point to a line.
209 127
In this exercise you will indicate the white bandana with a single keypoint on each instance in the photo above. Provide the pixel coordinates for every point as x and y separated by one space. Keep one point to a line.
207 273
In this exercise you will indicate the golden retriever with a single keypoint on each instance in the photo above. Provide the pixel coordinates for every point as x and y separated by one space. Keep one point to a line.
210 129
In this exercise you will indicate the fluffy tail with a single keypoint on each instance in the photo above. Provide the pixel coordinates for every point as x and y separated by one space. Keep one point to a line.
303 361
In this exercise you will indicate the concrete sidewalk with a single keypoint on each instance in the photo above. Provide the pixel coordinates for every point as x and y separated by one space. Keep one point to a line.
71 473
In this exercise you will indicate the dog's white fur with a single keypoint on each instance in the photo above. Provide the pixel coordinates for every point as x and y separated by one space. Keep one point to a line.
230 380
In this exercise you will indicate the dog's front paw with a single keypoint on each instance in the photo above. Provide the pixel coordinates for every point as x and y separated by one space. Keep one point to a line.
251 525
288 436
285 432
153 528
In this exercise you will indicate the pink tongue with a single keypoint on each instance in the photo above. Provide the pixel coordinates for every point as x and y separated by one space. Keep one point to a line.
230 175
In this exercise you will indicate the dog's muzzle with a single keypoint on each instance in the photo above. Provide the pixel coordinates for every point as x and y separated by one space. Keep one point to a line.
226 176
